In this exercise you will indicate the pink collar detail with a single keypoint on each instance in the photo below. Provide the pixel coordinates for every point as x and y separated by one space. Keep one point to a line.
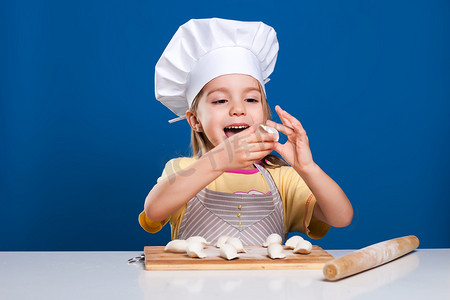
246 172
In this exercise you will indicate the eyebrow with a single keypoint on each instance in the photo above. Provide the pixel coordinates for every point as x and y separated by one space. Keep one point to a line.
225 90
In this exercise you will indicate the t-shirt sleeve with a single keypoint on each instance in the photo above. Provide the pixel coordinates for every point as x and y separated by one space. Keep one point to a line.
149 225
172 166
299 203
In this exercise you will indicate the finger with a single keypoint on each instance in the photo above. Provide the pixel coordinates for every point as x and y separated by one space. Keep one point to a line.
292 120
244 135
251 143
251 129
257 136
253 157
283 119
261 146
284 151
264 136
284 129
278 148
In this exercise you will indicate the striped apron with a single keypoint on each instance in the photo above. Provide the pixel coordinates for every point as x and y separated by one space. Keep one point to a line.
251 218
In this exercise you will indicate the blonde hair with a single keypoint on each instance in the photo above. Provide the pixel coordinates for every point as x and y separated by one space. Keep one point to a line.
200 144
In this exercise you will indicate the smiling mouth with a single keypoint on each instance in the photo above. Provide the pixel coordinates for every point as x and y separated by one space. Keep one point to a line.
232 130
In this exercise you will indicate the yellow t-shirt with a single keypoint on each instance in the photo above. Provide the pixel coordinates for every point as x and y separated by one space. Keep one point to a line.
298 201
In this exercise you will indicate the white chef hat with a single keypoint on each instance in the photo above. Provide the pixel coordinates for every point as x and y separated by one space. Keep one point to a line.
203 49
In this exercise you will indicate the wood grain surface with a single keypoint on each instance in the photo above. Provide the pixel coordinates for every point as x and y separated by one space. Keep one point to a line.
255 259
369 257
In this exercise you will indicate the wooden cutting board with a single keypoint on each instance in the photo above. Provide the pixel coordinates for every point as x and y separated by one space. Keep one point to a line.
255 259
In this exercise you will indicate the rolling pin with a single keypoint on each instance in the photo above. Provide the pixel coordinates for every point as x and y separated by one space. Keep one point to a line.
369 257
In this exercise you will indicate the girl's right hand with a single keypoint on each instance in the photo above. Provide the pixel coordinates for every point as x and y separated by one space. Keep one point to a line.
242 149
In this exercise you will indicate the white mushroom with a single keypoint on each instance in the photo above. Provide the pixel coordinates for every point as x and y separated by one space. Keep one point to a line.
273 238
236 243
303 247
228 251
271 130
198 239
222 240
195 249
177 246
275 251
293 241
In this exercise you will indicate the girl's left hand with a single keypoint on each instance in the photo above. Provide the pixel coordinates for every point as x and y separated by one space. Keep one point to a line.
295 151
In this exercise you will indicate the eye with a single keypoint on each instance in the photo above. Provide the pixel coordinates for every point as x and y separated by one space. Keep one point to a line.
219 101
252 100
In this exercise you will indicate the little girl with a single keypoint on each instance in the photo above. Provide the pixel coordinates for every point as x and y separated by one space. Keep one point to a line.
213 73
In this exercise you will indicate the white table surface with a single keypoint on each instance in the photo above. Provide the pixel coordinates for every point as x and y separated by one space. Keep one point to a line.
422 274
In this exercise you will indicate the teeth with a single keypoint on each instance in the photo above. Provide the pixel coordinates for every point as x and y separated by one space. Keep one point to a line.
236 127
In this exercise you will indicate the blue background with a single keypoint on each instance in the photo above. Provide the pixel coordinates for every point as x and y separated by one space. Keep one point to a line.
83 139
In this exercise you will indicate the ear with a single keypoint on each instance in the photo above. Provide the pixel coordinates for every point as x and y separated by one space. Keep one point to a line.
193 121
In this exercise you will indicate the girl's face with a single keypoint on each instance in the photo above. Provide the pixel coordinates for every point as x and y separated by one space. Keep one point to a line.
228 104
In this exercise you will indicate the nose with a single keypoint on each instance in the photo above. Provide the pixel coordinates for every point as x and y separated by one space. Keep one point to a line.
237 109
